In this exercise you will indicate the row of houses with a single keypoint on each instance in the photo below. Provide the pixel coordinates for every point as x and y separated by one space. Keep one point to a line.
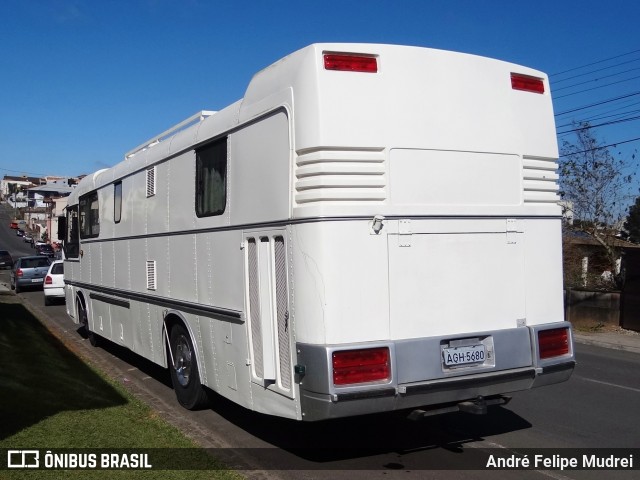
38 200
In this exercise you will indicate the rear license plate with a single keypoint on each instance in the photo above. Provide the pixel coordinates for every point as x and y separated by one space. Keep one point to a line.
37 280
464 355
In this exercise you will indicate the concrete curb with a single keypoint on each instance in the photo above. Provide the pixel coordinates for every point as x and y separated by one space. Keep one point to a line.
616 341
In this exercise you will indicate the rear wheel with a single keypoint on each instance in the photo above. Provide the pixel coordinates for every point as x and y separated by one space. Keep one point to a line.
94 339
184 370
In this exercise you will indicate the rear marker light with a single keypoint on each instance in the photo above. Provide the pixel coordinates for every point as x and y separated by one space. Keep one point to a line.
361 366
350 63
48 280
553 343
527 83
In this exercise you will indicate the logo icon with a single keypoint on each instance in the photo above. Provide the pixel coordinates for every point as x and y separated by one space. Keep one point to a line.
23 458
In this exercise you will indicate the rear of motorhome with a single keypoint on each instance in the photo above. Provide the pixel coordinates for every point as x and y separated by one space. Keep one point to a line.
370 228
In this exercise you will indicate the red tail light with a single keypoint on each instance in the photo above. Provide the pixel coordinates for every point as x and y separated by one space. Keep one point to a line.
553 343
527 83
19 272
48 280
350 63
361 366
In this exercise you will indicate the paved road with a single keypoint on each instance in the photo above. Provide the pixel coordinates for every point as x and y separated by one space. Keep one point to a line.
8 238
597 408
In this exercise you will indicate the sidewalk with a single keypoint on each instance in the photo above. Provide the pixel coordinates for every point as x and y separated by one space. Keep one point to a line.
619 339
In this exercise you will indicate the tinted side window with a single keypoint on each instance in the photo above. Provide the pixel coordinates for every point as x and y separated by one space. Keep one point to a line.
211 178
72 239
89 216
117 202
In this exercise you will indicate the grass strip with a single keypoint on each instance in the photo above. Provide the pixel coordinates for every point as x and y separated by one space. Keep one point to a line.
50 399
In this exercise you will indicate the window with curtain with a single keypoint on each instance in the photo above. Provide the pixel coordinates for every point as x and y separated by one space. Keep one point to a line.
89 216
211 178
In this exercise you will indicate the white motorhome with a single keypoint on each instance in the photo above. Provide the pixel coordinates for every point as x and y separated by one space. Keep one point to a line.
371 228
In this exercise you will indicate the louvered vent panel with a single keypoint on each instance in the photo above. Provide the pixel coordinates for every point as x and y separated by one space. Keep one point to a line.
540 180
254 306
151 275
151 181
340 176
282 310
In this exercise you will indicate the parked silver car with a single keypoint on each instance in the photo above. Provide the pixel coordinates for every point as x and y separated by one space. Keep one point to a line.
29 272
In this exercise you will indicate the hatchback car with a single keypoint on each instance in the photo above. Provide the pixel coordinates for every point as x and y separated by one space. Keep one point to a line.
45 249
5 259
54 282
29 272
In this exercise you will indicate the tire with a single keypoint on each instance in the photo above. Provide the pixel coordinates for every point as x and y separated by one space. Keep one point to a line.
94 339
17 288
47 301
184 370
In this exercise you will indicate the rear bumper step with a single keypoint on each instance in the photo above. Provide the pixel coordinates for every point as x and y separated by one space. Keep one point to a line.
478 406
467 382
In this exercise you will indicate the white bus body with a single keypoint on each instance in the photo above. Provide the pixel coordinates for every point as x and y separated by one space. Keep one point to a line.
371 228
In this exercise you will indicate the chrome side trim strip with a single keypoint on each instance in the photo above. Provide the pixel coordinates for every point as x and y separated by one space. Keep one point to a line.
226 314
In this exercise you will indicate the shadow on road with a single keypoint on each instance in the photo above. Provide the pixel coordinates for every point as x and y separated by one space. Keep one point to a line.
145 366
371 435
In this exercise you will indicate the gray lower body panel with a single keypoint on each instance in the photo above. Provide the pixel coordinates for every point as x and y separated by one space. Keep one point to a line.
419 377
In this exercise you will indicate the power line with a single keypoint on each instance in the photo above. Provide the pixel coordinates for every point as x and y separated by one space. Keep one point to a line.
613 122
594 63
596 79
596 71
596 88
23 172
598 103
599 117
600 148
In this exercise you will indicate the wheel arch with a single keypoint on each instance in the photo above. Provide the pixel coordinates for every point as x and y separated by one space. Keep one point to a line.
171 318
80 298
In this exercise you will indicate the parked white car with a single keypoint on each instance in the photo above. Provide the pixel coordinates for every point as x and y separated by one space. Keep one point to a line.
54 282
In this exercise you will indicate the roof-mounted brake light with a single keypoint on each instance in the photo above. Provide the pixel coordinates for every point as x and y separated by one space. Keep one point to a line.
527 83
350 63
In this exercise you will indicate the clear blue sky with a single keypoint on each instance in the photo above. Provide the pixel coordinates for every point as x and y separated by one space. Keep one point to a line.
84 81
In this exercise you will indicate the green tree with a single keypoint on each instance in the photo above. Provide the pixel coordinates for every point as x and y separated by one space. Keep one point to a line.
595 186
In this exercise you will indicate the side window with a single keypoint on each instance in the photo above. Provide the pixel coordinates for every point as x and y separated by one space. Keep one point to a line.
117 202
89 216
211 178
72 240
